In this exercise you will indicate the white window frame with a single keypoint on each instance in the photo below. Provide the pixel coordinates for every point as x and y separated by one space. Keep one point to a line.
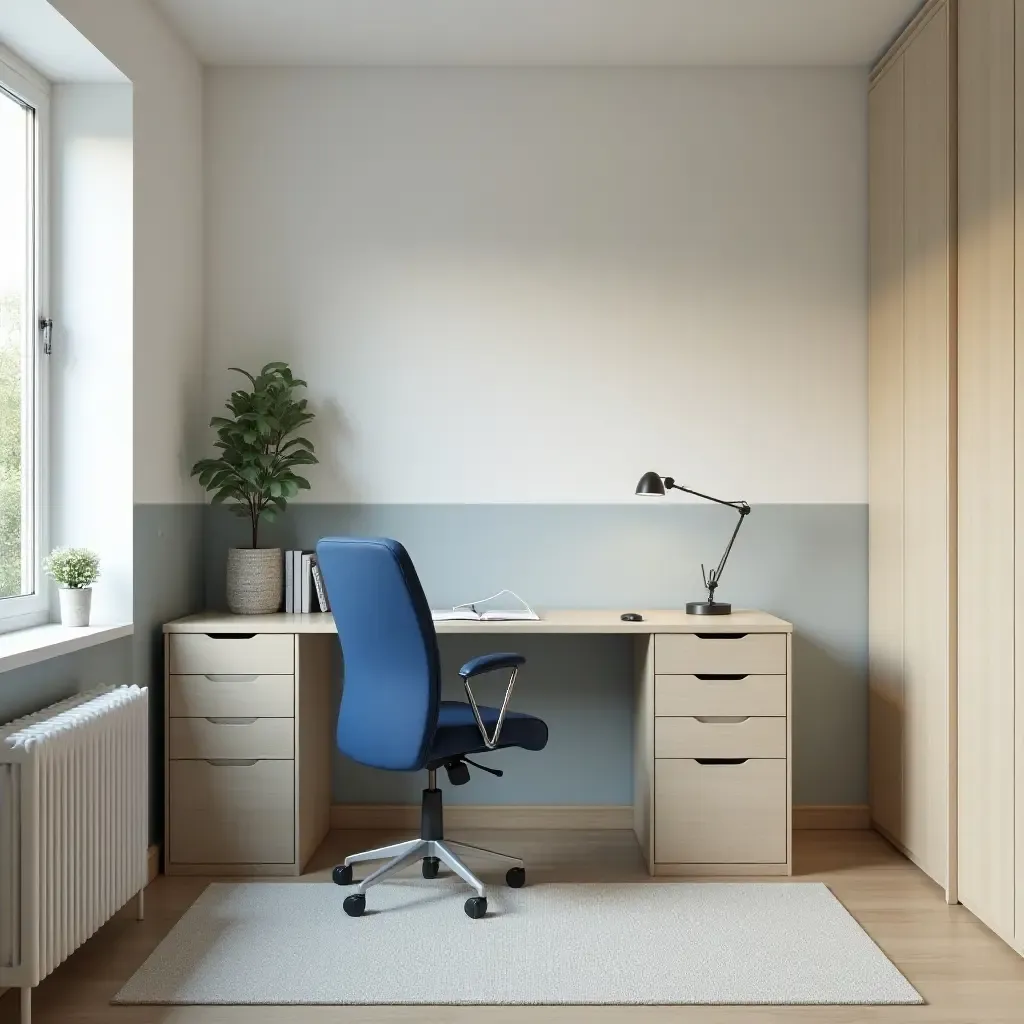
25 83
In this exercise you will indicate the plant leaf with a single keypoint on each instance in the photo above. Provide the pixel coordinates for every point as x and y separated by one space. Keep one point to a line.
258 444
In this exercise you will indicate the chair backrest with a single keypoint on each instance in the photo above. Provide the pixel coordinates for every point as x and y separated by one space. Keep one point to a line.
392 674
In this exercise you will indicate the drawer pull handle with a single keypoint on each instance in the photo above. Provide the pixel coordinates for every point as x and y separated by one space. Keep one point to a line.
722 719
231 762
230 636
231 721
720 636
721 760
716 677
230 677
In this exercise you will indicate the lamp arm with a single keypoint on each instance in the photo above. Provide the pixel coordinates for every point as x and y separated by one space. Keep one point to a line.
649 485
712 581
738 505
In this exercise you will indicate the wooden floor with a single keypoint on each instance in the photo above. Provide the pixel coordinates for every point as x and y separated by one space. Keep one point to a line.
963 971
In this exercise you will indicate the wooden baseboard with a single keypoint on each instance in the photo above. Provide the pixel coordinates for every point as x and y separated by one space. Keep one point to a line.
232 870
401 817
839 816
540 816
152 862
720 870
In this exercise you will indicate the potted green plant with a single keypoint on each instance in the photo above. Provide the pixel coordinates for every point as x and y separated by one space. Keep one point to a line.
74 570
255 476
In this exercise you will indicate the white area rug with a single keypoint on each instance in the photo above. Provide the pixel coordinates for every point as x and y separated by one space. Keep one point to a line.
622 943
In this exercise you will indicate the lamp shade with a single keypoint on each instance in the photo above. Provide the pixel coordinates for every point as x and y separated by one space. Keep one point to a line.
651 484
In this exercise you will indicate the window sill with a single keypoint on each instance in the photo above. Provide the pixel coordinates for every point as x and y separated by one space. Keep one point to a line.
40 643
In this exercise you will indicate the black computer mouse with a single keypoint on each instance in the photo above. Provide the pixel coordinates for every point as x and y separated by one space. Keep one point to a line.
631 617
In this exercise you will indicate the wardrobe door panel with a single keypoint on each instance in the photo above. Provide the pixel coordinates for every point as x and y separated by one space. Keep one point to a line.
927 447
1019 476
885 448
985 358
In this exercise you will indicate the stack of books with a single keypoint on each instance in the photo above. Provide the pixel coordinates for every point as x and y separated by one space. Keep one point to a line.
304 589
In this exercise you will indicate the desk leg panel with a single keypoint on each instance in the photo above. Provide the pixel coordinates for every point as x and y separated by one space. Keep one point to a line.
317 674
643 747
789 754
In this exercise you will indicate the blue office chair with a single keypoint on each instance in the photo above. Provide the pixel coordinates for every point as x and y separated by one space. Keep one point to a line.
392 715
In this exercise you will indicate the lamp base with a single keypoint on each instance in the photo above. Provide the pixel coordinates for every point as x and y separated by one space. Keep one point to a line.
708 608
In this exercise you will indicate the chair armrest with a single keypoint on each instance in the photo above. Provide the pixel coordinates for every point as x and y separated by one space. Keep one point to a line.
490 662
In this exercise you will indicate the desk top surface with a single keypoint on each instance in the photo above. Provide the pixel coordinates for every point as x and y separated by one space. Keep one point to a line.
558 621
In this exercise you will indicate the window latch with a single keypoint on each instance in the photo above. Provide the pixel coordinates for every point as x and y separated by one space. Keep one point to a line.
46 329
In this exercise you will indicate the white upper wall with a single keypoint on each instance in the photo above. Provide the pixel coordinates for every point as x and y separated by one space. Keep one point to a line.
90 371
167 94
533 285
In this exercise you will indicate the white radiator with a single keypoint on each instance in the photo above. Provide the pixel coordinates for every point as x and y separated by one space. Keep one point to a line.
74 827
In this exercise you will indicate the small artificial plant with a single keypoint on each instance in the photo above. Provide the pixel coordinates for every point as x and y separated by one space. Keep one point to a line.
73 568
255 474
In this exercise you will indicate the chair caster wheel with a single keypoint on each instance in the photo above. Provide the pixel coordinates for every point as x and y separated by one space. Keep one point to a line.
516 878
476 906
342 875
430 867
355 904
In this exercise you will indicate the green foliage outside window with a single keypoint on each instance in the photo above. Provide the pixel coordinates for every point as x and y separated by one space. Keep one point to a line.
10 446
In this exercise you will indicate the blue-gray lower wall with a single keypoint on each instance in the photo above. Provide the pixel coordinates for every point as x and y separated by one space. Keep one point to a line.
168 561
168 583
806 563
28 689
581 686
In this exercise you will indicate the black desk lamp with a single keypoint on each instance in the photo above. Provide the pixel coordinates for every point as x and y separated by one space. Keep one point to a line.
653 484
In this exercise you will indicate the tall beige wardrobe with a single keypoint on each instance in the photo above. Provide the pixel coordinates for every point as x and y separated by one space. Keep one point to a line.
946 452
911 441
990 521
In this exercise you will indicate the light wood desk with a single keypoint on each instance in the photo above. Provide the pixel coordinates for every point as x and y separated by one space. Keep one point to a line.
249 738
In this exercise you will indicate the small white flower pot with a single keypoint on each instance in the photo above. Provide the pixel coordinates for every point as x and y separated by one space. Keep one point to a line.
255 578
75 605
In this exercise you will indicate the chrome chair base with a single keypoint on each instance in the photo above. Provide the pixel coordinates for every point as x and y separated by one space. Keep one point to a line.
432 849
403 854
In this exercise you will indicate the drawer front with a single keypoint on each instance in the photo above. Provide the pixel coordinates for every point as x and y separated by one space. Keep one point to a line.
719 737
720 813
262 738
231 695
242 813
707 695
262 654
690 654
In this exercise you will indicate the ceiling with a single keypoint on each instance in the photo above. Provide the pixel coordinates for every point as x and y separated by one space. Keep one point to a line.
539 32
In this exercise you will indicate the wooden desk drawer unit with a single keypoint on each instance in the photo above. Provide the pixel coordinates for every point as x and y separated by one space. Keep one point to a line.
231 812
259 653
720 737
260 738
248 747
231 695
712 752
720 695
720 814
700 654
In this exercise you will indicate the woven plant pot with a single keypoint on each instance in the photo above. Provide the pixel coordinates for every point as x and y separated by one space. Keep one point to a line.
254 580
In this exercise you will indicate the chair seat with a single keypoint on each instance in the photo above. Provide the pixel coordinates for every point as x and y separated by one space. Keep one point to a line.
457 732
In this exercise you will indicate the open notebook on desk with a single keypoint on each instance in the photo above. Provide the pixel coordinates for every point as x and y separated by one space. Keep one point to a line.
472 611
